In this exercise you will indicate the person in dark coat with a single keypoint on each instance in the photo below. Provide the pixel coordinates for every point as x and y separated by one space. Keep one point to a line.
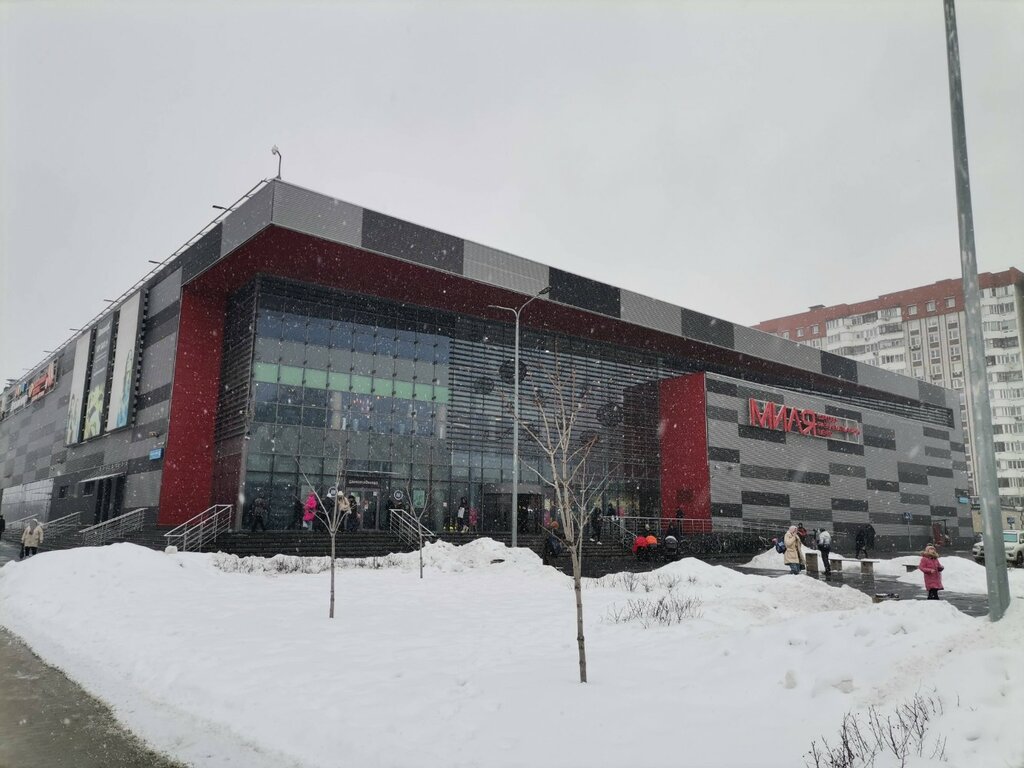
552 545
297 511
259 514
870 536
3 525
595 525
861 542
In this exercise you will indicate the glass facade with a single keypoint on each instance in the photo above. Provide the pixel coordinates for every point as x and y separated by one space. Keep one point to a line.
409 398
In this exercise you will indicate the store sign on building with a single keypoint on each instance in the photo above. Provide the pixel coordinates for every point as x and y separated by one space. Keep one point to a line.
803 421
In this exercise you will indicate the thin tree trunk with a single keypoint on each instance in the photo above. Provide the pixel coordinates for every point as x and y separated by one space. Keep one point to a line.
331 616
580 642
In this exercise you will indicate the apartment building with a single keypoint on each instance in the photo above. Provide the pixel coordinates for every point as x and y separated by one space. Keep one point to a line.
919 332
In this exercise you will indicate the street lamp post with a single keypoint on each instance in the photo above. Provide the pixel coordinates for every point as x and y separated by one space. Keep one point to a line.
515 412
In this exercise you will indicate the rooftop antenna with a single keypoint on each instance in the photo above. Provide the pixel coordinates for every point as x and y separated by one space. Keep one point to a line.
275 151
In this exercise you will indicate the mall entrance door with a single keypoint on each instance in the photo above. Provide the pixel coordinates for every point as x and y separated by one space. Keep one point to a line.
108 494
496 509
369 501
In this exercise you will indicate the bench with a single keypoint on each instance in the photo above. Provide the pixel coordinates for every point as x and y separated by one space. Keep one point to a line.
867 567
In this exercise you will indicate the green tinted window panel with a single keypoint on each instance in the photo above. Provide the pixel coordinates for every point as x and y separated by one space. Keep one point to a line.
264 372
441 394
362 384
316 378
338 381
423 391
382 387
403 389
291 375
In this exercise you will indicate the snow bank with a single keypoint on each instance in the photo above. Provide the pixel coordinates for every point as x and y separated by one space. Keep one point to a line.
476 663
437 556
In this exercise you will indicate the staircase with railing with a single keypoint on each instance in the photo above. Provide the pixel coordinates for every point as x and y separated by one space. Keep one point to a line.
114 528
408 528
201 530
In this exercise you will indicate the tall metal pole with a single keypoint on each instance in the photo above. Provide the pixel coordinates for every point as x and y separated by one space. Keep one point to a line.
515 440
984 445
515 410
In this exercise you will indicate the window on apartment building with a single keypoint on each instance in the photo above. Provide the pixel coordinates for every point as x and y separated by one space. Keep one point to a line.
88 488
915 356
62 492
933 322
958 383
950 302
785 334
935 354
958 371
814 329
954 333
799 333
930 306
912 309
936 368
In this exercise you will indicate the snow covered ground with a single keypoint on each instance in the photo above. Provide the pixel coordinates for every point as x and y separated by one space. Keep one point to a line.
227 662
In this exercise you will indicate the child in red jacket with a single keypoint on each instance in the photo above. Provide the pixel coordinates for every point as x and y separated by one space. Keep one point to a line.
932 570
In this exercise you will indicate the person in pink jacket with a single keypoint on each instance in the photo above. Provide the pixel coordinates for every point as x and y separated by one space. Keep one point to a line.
310 513
932 570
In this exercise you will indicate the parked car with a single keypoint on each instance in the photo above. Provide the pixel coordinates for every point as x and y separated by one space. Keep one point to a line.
1013 542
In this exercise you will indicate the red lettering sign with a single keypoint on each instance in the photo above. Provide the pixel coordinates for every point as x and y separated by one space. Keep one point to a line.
803 421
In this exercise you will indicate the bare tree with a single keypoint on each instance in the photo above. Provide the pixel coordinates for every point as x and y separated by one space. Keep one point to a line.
333 516
567 452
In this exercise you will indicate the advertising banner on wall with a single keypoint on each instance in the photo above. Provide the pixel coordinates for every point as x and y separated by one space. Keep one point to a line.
98 380
122 379
77 398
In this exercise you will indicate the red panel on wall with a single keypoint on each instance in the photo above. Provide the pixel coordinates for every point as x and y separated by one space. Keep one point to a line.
685 477
188 457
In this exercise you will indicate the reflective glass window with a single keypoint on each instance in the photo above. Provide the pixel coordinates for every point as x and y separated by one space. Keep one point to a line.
268 324
264 372
339 381
318 331
289 414
294 328
316 378
291 374
264 392
362 384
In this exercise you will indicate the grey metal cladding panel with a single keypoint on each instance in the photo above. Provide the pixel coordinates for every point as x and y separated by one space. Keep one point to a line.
929 393
753 342
164 293
158 363
201 255
584 293
701 327
839 367
318 215
503 269
886 381
648 312
248 219
394 237
142 490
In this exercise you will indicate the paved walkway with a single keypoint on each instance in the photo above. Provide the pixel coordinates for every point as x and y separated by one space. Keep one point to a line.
47 721
972 605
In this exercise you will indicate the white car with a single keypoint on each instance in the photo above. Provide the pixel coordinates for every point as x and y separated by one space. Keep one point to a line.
1013 542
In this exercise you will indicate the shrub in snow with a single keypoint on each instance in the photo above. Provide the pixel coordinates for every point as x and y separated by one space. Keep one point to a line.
665 611
896 738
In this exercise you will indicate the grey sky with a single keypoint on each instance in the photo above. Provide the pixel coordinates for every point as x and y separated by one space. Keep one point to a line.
742 159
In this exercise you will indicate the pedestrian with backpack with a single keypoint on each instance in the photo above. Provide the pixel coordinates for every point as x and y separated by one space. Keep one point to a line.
825 547
794 556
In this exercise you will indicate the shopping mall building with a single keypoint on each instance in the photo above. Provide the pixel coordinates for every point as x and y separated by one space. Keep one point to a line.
297 331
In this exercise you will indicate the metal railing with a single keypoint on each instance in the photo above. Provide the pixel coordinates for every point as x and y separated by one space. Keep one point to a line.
408 528
114 528
62 525
20 523
196 532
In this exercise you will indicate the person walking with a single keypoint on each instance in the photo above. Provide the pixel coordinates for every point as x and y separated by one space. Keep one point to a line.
31 538
825 547
259 514
3 525
794 556
869 538
552 545
595 524
460 516
861 542
310 511
932 570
